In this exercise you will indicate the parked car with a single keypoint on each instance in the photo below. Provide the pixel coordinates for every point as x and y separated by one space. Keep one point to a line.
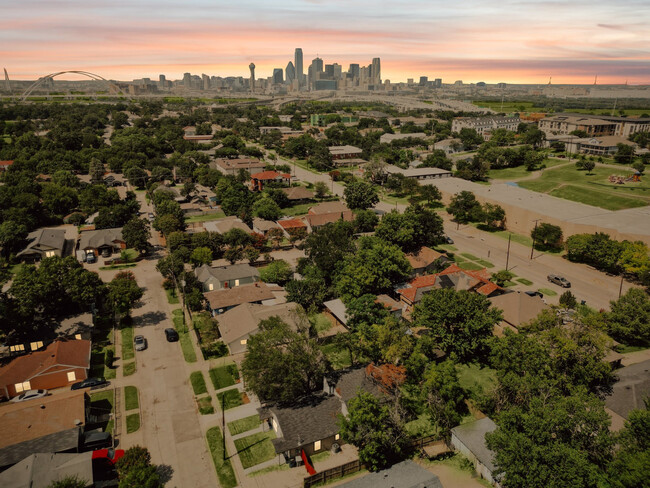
91 258
535 294
559 280
140 343
29 395
106 252
110 454
96 439
448 240
151 217
171 335
89 383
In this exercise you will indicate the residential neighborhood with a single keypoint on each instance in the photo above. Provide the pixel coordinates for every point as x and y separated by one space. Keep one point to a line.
258 296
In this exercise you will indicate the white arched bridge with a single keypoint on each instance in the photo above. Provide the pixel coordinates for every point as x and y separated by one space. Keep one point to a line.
111 86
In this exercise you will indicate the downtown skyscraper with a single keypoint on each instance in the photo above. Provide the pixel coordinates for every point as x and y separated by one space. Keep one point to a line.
298 66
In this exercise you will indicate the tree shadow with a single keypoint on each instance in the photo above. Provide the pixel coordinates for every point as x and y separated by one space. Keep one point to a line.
165 472
150 318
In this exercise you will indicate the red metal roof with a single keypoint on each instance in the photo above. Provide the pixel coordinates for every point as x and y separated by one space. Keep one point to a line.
291 224
270 175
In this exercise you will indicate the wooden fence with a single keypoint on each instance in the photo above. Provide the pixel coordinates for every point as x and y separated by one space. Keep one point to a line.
333 473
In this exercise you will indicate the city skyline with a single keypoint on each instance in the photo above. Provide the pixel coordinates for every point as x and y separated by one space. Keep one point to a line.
518 42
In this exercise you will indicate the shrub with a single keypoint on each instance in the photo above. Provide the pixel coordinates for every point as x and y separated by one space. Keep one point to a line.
109 357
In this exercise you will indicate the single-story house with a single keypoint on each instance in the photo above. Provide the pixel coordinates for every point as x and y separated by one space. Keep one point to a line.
100 241
220 301
336 311
224 225
239 323
262 226
317 221
419 173
452 277
297 194
328 207
43 243
469 440
40 470
449 146
310 425
50 424
233 166
388 138
61 363
629 392
426 260
406 474
345 152
518 309
222 277
258 180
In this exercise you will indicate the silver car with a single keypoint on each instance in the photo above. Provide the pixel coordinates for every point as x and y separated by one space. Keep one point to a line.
140 343
29 395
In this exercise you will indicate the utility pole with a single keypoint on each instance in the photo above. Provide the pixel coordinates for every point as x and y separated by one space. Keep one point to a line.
223 423
508 253
532 249
620 288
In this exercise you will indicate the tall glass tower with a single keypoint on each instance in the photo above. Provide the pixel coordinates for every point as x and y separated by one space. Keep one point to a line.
298 66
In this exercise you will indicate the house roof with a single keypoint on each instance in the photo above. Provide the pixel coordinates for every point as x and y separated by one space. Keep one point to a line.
406 474
328 207
298 193
264 225
312 419
338 309
41 469
225 273
472 435
291 224
632 387
423 258
338 150
74 353
6 164
65 440
256 292
518 307
319 220
25 421
388 302
240 163
244 319
46 238
97 238
416 172
348 382
270 175
224 225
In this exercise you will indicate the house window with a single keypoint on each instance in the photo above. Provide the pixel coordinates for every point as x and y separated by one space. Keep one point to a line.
36 345
77 336
236 282
20 387
337 437
317 446
243 342
72 376
210 286
17 348
49 254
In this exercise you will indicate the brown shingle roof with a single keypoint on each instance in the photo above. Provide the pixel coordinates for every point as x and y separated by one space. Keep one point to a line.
328 207
298 193
424 257
518 308
236 296
70 353
319 220
244 319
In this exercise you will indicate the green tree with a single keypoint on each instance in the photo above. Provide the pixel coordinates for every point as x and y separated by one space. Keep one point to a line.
501 277
365 221
430 193
494 215
266 208
12 237
59 200
373 430
360 195
135 470
320 189
69 482
136 234
96 171
547 235
624 153
629 319
460 322
589 166
445 398
124 292
278 271
200 256
568 300
282 364
631 465
328 246
465 208
469 138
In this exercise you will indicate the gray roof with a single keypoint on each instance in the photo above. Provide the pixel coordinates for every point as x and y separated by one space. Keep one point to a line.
244 319
311 420
472 435
41 469
406 474
348 382
93 239
65 440
338 309
632 387
225 273
224 225
45 238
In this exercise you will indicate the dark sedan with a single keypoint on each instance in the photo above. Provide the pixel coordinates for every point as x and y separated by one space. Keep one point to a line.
171 335
89 383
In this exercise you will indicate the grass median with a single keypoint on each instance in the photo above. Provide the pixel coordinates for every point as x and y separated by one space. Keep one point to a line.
131 399
183 336
198 383
222 465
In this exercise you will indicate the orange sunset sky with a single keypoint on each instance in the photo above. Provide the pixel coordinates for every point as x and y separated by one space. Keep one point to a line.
523 41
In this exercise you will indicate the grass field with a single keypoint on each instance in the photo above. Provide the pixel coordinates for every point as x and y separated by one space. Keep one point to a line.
320 323
132 423
131 401
198 383
300 209
592 189
470 266
244 425
229 399
520 171
255 449
220 458
476 379
224 376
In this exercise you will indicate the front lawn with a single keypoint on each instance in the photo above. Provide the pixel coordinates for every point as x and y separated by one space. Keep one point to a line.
205 405
224 376
229 399
255 449
547 292
128 368
220 458
524 281
132 423
131 401
198 383
244 425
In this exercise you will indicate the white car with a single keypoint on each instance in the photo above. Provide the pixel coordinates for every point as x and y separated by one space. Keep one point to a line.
140 343
29 395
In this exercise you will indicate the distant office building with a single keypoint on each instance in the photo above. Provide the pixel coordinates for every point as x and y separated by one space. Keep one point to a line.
424 80
481 84
484 125
329 71
205 79
354 70
290 72
187 80
298 65
376 71
162 80
317 65
458 82
409 81
325 85
277 76
501 85
437 83
338 71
